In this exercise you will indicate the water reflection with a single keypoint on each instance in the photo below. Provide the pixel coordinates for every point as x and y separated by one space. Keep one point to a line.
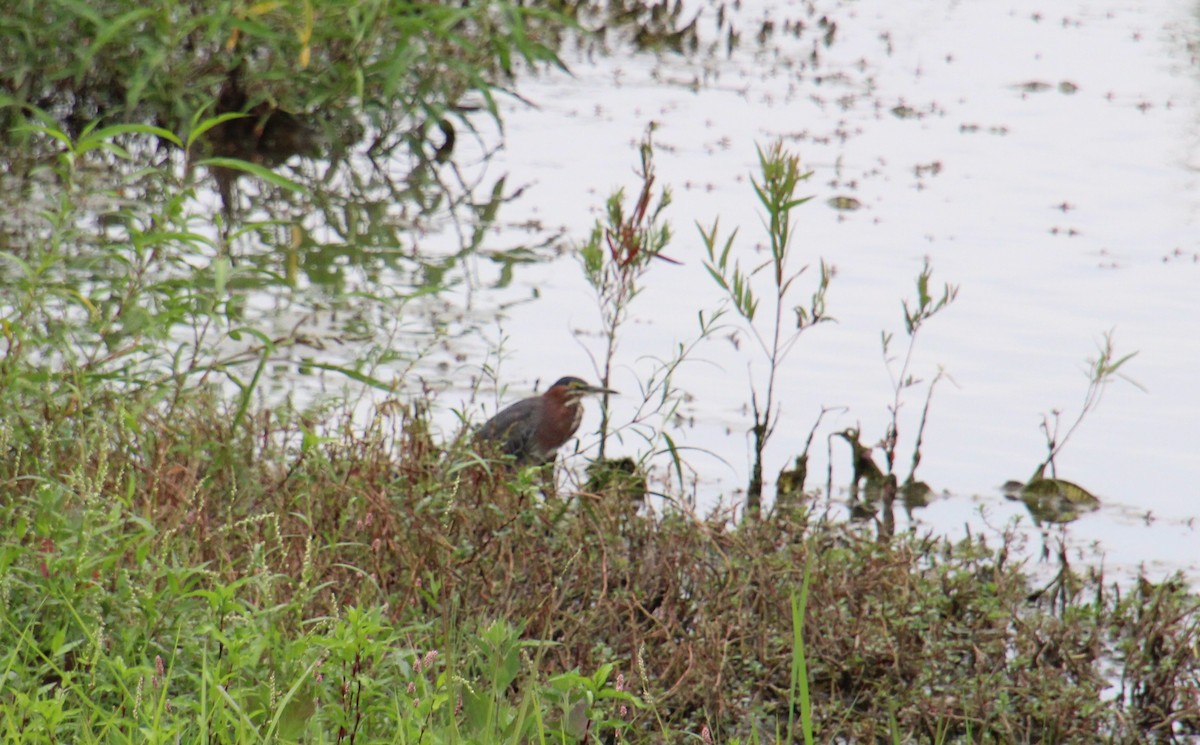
272 210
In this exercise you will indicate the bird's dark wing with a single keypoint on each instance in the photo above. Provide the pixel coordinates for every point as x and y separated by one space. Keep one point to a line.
512 430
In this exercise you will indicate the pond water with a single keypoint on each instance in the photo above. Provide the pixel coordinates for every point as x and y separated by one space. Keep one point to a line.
1044 156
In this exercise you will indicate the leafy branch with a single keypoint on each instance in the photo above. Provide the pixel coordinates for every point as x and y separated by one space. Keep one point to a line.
779 177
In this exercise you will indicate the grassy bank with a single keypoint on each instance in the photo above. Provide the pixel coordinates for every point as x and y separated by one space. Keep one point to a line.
169 578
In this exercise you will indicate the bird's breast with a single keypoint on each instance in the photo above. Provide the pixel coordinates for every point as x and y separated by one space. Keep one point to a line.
558 426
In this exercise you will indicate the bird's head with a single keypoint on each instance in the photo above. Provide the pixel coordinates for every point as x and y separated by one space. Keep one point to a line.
570 389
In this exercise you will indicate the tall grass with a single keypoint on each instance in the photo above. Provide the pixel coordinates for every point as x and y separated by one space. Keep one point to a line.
175 579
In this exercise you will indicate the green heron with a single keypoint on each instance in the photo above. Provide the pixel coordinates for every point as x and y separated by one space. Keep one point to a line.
533 429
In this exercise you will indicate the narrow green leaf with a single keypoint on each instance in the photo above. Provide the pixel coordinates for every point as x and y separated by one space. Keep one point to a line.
716 276
254 169
213 121
352 374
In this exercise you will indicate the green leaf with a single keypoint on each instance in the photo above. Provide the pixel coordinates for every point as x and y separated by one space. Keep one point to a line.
109 30
254 169
57 134
352 374
222 267
716 276
204 126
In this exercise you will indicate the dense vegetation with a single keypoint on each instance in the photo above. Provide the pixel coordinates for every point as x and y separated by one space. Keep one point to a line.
179 563
169 576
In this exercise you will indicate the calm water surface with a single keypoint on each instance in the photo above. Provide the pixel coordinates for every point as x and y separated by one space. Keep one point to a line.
1064 202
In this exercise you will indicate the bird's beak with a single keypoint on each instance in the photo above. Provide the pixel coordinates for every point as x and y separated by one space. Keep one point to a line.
598 389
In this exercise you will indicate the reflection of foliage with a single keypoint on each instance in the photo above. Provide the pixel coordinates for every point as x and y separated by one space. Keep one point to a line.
384 92
142 299
367 233
114 258
397 64
285 78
